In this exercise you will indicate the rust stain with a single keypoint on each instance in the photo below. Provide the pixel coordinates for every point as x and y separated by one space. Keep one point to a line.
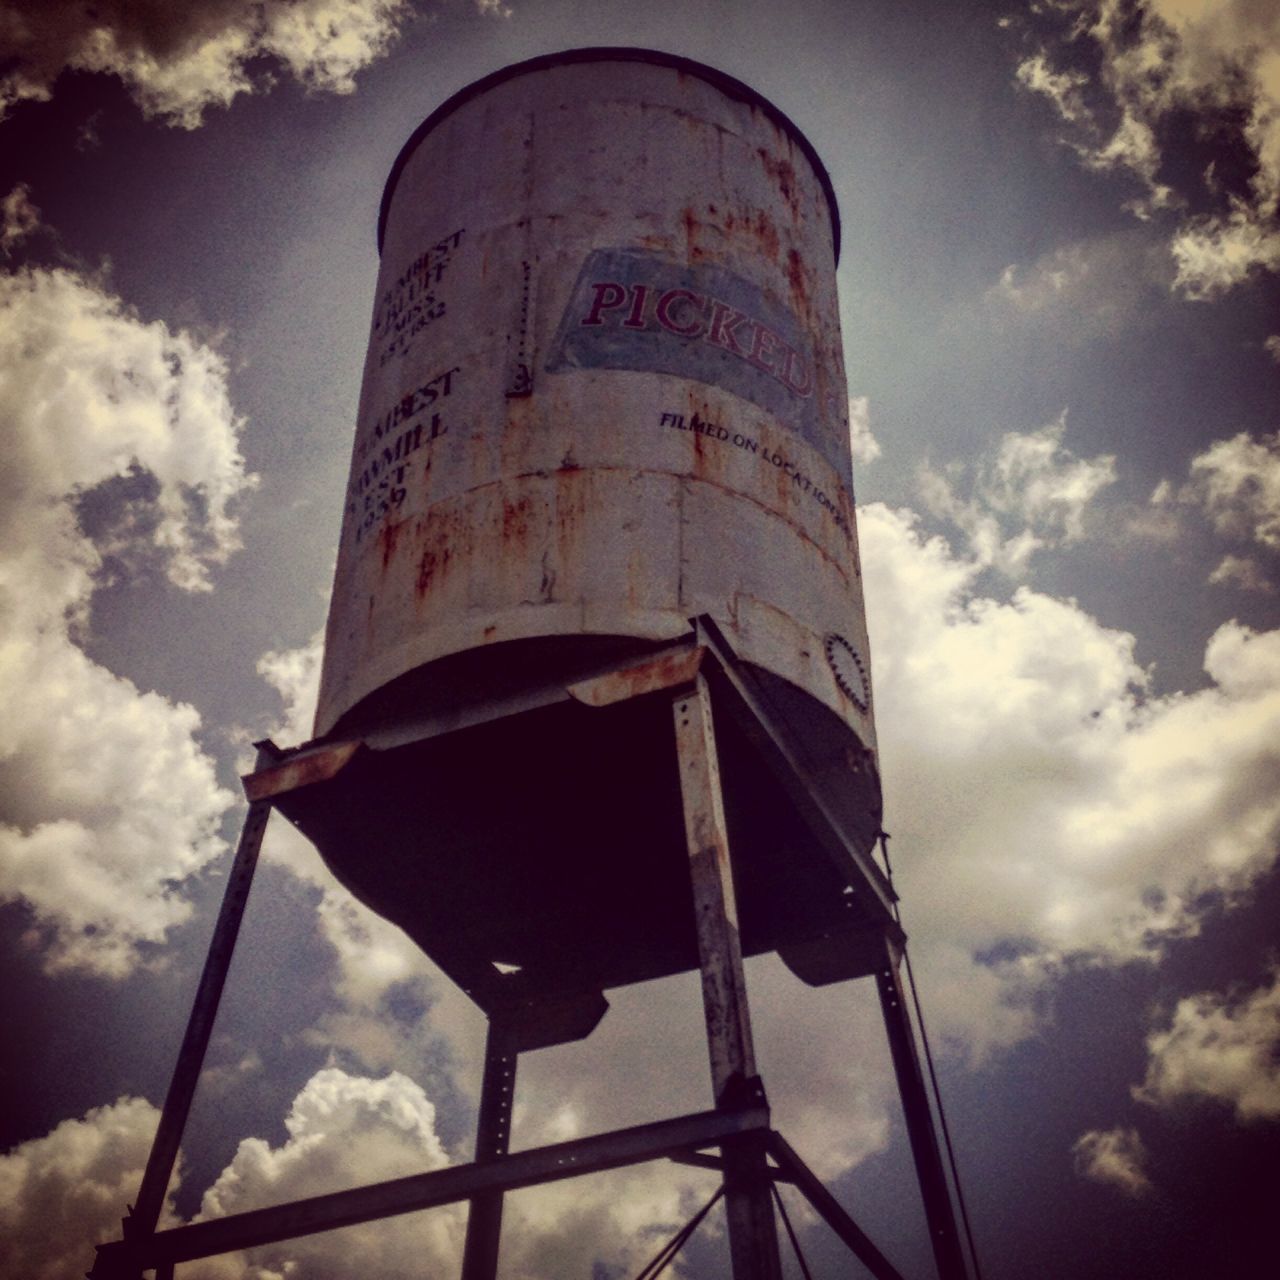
298 771
689 220
767 234
441 535
667 671
389 540
521 413
799 284
783 176
432 563
515 520
570 508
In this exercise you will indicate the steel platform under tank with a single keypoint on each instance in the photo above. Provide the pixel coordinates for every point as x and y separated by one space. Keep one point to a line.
539 852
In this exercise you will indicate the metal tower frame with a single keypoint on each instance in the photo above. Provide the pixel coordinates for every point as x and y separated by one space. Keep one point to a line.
698 675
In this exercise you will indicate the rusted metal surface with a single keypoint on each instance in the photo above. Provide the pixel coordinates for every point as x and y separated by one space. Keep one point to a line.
753 1238
667 671
604 390
298 770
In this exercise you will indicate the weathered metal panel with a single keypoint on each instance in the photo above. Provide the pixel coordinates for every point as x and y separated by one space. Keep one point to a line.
604 390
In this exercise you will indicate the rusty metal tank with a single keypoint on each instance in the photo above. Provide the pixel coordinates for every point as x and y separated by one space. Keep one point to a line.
604 395
604 390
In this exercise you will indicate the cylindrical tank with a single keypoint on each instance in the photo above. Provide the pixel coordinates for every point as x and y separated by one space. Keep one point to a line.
604 394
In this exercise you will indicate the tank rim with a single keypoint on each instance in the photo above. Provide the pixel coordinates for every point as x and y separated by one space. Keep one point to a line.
727 84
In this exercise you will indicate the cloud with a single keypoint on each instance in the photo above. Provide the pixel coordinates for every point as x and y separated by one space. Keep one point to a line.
1115 1157
1044 809
295 675
347 1130
61 1194
1241 572
1063 88
1087 290
1033 482
18 218
1169 73
344 1131
373 955
1272 347
122 450
428 1020
177 61
1236 483
864 447
1220 1046
1215 254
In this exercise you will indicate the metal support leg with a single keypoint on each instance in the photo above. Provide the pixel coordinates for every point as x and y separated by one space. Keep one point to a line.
934 1191
145 1214
493 1136
753 1237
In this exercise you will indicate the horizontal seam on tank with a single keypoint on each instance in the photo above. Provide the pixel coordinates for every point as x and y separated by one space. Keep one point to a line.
544 474
768 510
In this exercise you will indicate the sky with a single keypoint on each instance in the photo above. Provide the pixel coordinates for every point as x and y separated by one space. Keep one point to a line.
1061 320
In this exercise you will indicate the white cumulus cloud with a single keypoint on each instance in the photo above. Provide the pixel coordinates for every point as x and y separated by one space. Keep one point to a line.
863 446
1236 482
1224 1046
1042 805
109 801
65 1192
344 1131
348 1130
1031 496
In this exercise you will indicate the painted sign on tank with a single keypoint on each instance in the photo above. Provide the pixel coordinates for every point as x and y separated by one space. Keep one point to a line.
632 309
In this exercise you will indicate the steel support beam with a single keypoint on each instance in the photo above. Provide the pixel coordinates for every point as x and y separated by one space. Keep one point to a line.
753 1235
934 1191
493 1137
144 1215
427 1190
792 1169
749 711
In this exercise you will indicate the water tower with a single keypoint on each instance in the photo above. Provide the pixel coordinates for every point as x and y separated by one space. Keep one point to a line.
596 703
